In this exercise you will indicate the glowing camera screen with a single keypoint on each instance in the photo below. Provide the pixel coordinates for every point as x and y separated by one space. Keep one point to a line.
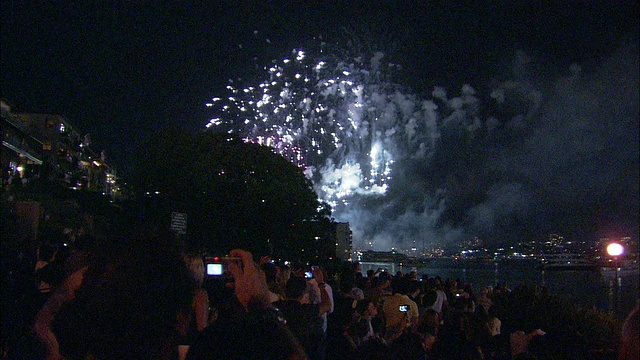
214 269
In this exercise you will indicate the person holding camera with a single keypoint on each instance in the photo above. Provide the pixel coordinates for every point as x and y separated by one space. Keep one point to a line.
303 317
251 328
400 312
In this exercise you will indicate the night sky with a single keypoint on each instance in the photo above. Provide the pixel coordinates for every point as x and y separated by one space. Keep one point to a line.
118 71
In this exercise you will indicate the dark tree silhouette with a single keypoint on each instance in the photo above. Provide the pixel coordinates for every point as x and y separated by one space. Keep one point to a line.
235 194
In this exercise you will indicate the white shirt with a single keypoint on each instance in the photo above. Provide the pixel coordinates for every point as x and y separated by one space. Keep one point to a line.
316 290
440 300
324 317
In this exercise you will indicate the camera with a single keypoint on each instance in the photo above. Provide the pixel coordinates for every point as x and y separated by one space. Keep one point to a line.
218 266
403 308
309 273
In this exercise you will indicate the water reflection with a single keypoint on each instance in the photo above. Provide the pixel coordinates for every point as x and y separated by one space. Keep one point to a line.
615 288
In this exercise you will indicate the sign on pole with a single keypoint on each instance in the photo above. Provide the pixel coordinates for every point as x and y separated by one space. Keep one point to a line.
179 222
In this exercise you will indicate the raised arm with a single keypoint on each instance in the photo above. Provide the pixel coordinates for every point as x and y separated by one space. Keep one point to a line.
325 300
250 282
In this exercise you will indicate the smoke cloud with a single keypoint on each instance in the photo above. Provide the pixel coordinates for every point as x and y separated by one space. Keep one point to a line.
524 157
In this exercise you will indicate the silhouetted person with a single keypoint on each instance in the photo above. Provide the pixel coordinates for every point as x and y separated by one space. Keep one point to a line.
124 305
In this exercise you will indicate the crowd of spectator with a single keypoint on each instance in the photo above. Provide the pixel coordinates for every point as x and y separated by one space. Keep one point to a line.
141 296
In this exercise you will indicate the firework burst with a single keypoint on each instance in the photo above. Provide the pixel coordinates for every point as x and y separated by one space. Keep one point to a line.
335 117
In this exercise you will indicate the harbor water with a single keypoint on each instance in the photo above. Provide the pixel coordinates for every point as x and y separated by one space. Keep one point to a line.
605 288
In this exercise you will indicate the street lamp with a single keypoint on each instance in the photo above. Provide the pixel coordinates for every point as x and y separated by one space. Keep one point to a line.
615 250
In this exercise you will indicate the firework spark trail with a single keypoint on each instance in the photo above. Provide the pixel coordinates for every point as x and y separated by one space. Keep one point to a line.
336 119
